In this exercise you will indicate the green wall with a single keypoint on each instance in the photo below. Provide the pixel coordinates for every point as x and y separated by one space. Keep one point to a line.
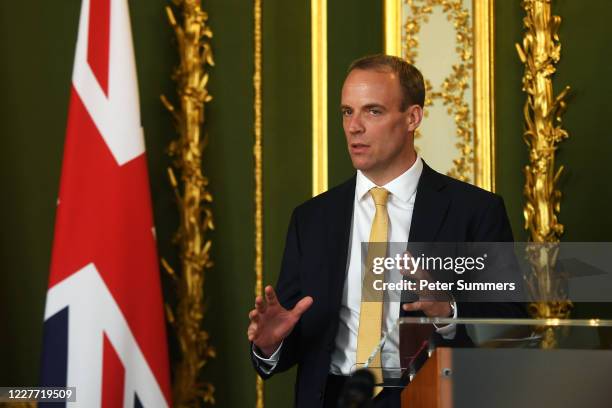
511 151
228 164
585 66
352 33
37 45
286 144
37 41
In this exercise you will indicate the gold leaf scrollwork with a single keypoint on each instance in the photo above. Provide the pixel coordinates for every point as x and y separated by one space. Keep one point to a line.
193 198
540 52
453 88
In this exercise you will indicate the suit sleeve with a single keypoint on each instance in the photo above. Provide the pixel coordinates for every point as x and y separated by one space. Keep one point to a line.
289 292
493 226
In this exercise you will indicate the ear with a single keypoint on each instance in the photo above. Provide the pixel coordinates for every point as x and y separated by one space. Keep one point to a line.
414 117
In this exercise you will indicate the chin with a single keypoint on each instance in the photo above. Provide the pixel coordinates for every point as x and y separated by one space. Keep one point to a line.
360 161
360 164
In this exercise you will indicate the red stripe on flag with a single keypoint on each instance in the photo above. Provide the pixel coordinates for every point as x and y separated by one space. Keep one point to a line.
113 377
98 44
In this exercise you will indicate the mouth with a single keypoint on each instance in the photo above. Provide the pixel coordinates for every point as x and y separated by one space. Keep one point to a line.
359 147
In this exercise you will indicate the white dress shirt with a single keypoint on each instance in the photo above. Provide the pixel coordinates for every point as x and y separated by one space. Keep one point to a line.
400 206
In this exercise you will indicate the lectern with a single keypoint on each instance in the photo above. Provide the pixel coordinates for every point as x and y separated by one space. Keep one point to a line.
506 366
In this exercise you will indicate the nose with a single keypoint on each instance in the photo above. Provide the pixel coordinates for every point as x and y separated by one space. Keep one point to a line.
355 125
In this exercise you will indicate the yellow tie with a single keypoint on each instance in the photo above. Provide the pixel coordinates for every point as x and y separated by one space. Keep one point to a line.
371 313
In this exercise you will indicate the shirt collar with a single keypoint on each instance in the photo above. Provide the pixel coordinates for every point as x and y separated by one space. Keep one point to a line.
403 187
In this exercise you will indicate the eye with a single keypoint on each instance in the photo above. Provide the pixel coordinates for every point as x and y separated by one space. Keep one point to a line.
375 111
346 112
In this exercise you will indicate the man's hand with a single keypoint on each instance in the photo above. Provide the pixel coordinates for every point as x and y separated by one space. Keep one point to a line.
431 309
271 323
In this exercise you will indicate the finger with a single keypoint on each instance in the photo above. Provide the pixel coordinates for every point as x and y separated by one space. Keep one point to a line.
260 306
302 306
271 296
252 332
254 315
411 307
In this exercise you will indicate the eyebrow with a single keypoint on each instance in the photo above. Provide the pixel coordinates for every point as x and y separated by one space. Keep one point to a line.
368 106
374 105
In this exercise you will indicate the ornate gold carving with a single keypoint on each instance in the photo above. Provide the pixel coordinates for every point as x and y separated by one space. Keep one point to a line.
540 52
193 38
319 95
452 92
258 156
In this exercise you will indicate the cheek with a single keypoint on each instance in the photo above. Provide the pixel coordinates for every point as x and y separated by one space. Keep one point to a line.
383 135
398 134
345 126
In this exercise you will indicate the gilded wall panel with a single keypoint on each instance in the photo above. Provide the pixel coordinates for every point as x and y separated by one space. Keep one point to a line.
450 41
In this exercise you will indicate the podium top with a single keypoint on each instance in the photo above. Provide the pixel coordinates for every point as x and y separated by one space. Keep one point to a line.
507 322
420 337
516 333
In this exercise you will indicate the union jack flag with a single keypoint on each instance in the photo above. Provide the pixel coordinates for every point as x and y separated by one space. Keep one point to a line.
104 330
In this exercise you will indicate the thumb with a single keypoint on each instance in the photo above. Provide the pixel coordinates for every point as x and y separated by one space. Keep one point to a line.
301 306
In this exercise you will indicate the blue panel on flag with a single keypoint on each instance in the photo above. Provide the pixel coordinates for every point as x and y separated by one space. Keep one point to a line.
137 403
55 351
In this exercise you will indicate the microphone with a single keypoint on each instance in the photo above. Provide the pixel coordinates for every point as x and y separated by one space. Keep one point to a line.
358 390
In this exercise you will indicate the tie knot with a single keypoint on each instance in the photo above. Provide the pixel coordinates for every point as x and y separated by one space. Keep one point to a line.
379 195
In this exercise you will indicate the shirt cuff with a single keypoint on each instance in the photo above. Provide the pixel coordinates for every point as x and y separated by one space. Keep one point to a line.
448 332
267 365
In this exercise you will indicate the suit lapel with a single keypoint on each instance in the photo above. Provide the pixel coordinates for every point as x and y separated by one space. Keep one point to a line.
339 223
430 207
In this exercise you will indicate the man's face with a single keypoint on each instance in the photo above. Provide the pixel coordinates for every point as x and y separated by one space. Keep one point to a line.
378 134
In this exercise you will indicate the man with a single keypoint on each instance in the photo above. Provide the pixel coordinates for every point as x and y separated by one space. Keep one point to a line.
313 318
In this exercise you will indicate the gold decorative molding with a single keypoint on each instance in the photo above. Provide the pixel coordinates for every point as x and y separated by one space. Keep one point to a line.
193 198
257 151
258 170
475 134
484 94
540 52
393 27
18 404
318 30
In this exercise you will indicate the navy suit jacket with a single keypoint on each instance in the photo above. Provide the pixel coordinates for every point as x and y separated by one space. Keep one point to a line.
315 264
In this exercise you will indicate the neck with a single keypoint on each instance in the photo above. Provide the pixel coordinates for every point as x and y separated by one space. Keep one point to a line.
382 177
